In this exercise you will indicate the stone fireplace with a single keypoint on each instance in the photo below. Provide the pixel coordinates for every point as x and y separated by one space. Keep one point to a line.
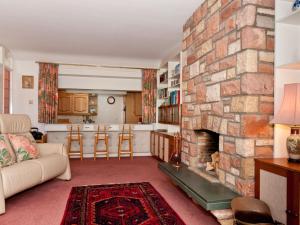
207 144
228 72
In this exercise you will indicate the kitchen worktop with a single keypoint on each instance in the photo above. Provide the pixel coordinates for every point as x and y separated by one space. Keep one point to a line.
57 133
93 127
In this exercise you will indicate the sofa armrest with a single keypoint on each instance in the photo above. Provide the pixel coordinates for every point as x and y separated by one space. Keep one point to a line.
2 198
52 148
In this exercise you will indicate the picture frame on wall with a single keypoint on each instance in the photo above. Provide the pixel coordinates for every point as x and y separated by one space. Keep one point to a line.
27 82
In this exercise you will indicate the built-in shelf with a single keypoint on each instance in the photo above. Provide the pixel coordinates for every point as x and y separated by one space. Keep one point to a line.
176 76
169 114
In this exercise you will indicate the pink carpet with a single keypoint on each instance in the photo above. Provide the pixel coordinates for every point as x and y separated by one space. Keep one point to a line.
45 204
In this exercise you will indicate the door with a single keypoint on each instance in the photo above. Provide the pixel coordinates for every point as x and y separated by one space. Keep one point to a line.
64 103
133 103
80 103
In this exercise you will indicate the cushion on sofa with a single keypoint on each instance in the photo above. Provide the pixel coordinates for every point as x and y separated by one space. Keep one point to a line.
20 176
52 165
7 155
24 148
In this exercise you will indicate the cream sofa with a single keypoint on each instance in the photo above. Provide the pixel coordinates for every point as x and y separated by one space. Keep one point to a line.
53 162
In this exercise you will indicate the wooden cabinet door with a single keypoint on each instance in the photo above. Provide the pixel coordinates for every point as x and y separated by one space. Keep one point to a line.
166 149
152 143
80 103
156 147
161 147
64 103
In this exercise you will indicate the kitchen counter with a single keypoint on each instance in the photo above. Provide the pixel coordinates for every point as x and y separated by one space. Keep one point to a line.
57 133
93 127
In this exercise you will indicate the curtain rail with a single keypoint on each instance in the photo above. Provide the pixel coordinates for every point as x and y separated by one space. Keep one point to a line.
103 66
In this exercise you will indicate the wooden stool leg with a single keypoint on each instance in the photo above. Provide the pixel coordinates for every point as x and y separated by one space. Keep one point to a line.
119 148
106 144
130 148
81 148
95 147
69 146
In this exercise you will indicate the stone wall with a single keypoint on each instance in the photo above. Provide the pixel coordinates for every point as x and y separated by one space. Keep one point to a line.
228 84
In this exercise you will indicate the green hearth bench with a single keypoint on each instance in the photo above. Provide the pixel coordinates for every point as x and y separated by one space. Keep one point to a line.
211 196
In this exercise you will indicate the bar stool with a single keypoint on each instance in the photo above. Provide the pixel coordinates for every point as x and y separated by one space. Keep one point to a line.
75 136
101 135
126 135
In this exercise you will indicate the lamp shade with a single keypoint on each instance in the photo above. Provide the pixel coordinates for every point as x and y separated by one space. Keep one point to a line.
289 112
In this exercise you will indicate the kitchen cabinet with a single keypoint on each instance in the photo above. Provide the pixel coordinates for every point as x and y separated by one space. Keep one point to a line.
64 103
162 145
74 103
80 104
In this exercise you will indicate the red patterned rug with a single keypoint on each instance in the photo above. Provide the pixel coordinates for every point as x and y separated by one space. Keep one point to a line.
118 204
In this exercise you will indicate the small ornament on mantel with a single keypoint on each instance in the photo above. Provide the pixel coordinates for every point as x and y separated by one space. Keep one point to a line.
296 5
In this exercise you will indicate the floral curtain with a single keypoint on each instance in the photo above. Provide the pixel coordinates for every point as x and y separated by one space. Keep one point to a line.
149 95
48 92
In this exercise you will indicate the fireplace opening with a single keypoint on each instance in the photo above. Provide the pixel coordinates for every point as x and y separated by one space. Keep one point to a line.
206 162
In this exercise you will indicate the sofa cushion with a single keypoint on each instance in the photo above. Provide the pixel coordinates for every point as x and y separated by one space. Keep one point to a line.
52 165
20 176
7 155
23 147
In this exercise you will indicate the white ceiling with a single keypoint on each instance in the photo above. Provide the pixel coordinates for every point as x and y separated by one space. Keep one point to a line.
145 29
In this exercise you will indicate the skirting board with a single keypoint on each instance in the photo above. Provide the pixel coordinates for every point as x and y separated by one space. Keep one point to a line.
91 155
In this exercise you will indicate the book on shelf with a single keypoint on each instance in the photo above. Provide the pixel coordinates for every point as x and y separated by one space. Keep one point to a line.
174 97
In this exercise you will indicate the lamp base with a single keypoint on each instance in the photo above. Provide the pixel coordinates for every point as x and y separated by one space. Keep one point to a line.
293 145
294 160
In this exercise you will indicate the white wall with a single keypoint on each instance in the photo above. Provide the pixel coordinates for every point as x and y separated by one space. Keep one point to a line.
110 113
84 77
25 100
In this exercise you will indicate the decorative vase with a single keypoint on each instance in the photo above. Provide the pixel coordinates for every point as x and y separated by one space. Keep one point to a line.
293 147
296 5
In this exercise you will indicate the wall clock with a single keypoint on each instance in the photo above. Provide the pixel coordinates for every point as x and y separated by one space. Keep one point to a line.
111 100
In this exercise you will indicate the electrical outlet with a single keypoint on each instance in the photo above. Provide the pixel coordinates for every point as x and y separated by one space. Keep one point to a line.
30 102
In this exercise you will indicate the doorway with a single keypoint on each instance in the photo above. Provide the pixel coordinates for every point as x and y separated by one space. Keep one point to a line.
133 107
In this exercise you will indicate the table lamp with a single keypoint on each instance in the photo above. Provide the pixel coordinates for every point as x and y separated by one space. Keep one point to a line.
289 114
